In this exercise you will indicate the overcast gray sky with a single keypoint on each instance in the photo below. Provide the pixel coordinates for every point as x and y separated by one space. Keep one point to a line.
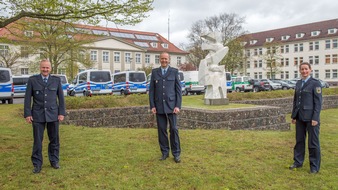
260 15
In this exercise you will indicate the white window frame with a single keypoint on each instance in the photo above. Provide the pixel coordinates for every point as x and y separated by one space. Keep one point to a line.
105 56
93 55
117 57
138 58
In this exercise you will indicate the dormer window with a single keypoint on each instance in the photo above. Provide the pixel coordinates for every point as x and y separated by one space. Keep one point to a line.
286 37
300 35
315 33
153 44
165 45
29 33
332 31
252 42
269 39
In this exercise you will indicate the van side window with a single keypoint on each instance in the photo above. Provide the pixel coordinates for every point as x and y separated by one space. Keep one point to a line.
4 76
120 78
83 77
136 77
100 76
20 81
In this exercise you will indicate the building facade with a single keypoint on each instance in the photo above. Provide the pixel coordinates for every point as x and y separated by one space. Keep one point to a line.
113 49
316 43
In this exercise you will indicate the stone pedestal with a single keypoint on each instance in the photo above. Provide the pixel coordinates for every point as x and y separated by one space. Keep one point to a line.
220 101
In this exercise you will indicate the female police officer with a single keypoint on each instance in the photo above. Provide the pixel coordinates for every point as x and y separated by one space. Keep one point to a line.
307 104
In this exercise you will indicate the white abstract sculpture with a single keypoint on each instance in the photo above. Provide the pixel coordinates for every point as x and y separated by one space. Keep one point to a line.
211 74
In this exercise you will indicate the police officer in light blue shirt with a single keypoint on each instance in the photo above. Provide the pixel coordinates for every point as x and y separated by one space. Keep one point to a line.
307 104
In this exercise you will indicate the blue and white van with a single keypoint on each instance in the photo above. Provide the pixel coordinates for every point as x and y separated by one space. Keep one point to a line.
129 82
6 86
92 82
64 83
20 84
228 81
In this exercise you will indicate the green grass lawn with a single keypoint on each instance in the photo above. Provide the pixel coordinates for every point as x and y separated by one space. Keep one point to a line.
108 158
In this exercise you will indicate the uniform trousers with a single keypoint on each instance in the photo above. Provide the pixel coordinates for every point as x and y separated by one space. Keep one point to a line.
313 144
162 123
53 146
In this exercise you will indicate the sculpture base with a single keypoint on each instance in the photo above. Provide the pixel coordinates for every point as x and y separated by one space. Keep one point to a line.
221 101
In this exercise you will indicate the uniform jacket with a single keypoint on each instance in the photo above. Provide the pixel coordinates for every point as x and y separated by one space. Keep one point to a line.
307 101
48 100
165 91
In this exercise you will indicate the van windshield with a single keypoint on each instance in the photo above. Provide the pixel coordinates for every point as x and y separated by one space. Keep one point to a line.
181 76
4 76
137 77
100 76
63 79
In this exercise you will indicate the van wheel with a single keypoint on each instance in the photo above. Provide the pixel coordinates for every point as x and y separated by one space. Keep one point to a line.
238 89
72 93
10 101
122 92
3 101
285 88
255 89
85 93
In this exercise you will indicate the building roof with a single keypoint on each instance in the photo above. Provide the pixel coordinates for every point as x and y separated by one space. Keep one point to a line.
311 31
152 42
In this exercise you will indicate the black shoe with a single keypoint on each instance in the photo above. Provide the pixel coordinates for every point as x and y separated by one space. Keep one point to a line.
313 171
164 157
55 165
294 166
177 159
36 169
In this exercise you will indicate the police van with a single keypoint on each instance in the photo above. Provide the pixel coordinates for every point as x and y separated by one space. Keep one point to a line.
64 83
228 81
242 83
92 82
129 82
6 86
20 84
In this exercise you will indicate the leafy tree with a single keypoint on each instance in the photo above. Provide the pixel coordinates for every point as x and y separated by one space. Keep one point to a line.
229 25
234 59
86 11
146 69
272 58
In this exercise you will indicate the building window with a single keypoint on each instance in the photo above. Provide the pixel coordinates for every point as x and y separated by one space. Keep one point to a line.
153 44
248 53
332 30
316 45
260 63
327 73
255 64
335 43
4 50
315 33
316 73
255 75
334 73
296 47
165 45
286 48
248 64
327 44
282 49
260 75
24 71
138 58
301 48
157 59
179 62
282 62
282 74
93 55
295 61
260 51
327 59
295 75
286 62
62 71
147 59
24 52
117 56
105 56
255 52
287 75
310 46
127 58
334 58
299 35
311 60
316 60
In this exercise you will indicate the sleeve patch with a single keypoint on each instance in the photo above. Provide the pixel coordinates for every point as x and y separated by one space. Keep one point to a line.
318 90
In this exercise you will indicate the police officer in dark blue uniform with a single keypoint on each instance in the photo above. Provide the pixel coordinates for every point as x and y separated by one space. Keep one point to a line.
307 105
47 109
165 97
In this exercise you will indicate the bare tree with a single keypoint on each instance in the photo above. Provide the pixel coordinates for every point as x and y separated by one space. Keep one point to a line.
229 25
87 11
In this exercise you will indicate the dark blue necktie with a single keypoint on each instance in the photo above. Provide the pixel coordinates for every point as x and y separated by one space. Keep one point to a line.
164 71
303 82
45 80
